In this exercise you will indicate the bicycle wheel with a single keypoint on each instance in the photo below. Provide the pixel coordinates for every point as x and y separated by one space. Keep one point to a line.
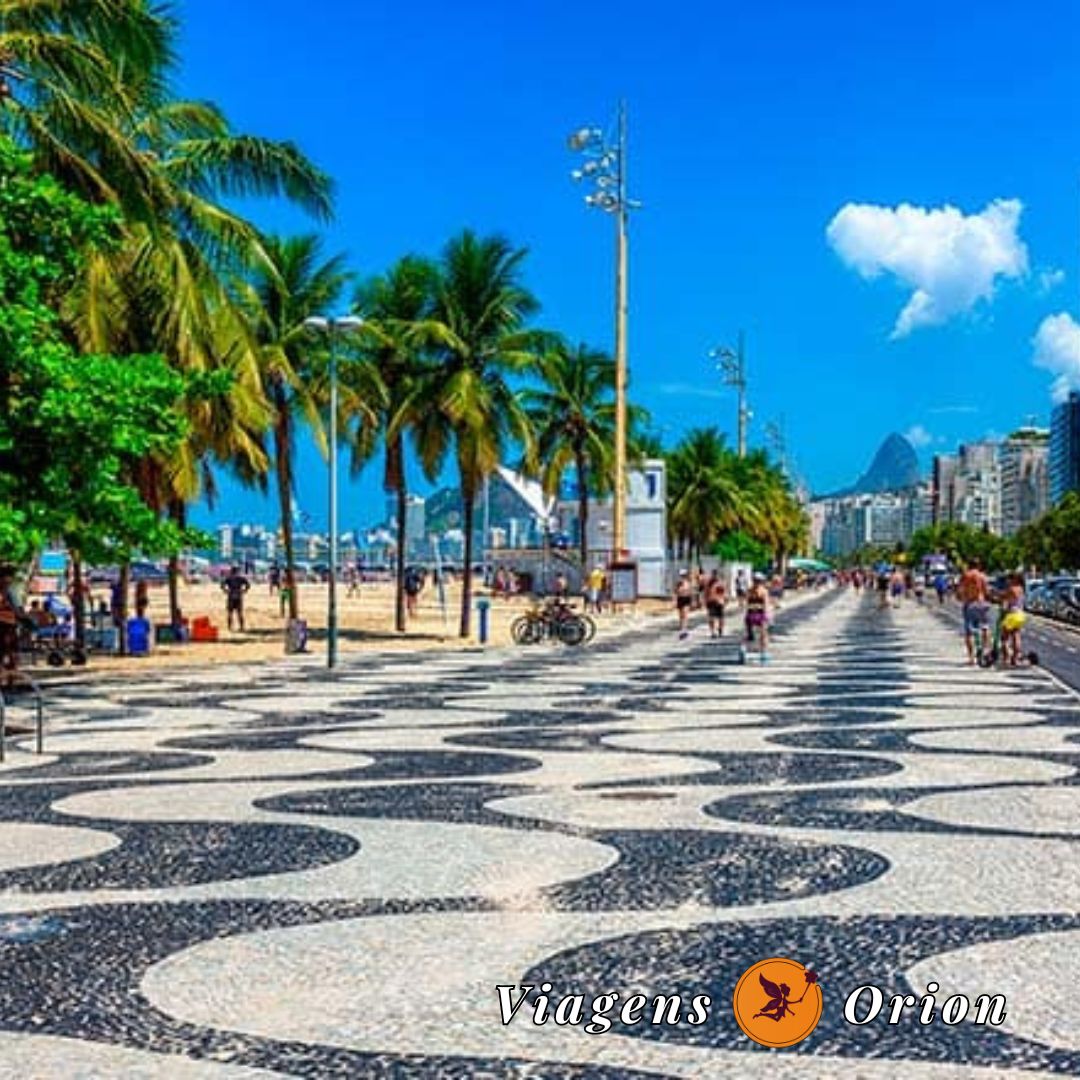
590 628
523 630
572 631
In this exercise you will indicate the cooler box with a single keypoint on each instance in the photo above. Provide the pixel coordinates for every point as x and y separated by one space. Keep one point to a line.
203 630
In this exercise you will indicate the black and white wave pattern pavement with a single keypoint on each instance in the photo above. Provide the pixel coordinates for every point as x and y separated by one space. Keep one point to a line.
266 871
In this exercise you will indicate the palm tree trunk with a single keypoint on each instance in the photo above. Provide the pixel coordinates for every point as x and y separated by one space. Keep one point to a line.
399 588
78 600
468 507
583 511
124 587
178 515
283 470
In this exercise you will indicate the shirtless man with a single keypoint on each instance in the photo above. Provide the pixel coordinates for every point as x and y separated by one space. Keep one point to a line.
972 592
715 598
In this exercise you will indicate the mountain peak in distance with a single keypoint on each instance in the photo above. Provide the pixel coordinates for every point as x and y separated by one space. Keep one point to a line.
895 467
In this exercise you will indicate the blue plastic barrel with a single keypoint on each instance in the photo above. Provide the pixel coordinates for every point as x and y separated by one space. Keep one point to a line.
138 636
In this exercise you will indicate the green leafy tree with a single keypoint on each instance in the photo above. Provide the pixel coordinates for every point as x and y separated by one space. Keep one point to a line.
1052 542
963 544
72 427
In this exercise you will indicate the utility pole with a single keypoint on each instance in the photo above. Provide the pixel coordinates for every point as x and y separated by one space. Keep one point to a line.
732 366
605 167
621 301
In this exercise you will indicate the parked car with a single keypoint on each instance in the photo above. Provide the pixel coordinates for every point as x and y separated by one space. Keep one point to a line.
1038 596
1063 600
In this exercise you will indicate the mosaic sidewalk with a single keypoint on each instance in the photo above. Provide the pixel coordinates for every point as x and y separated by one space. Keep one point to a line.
267 871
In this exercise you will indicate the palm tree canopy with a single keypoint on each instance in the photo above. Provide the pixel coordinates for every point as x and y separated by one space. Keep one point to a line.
573 413
396 307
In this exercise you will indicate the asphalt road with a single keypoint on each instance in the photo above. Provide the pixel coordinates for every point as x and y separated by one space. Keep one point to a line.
1058 647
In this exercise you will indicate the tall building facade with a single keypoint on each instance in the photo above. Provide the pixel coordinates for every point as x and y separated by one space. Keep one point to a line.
967 486
415 522
1025 478
1065 447
943 485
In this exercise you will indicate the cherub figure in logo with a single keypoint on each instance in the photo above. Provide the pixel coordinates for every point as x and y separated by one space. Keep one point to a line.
779 1004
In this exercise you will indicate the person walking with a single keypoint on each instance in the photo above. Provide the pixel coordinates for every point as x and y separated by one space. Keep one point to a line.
142 598
594 589
941 586
897 586
973 593
715 599
235 586
12 617
1013 618
757 614
741 587
684 600
414 586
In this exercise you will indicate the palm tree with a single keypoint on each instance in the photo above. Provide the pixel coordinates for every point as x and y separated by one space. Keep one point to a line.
71 72
480 339
396 308
164 288
298 283
704 497
573 416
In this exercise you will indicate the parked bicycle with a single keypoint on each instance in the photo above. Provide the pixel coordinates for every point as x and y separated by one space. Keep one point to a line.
552 621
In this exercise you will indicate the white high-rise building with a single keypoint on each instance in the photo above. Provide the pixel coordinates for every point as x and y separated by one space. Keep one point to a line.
1025 478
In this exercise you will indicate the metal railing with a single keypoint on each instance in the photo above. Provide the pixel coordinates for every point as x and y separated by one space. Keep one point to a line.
39 720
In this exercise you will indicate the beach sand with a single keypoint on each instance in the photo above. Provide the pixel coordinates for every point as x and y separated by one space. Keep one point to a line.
365 623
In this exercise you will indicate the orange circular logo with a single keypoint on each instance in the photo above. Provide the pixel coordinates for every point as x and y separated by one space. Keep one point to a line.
777 1002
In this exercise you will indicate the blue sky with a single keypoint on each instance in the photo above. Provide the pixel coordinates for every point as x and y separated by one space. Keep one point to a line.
752 127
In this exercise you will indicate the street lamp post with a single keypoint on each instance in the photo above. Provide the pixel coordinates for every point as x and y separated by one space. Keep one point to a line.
732 365
605 168
332 327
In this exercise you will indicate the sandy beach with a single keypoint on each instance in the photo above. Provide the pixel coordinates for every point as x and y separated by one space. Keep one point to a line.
365 620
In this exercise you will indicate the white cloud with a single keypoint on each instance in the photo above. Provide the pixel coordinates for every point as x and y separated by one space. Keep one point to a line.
1050 279
1057 349
950 260
918 436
